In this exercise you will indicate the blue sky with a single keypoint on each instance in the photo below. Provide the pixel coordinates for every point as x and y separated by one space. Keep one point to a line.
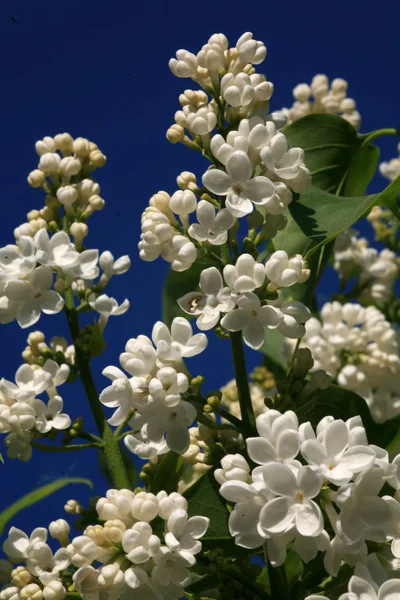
65 68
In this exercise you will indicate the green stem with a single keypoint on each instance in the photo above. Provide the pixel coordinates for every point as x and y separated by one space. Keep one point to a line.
111 448
50 448
380 133
277 581
239 365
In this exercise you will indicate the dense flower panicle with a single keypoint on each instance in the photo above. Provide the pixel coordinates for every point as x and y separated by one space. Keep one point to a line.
358 347
152 396
282 501
23 415
322 97
112 559
364 588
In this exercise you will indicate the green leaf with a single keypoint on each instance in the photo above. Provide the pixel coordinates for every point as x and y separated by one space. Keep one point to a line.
167 474
177 285
205 500
361 170
342 403
273 350
37 495
334 153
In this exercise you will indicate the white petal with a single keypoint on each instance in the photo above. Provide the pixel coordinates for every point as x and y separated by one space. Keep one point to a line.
211 281
260 450
309 520
276 516
281 479
218 182
239 167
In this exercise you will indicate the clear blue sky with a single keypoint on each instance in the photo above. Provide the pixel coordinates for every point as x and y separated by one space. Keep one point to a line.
64 68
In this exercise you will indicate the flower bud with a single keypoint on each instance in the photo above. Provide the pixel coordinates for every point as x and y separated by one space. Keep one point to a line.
67 195
59 286
111 577
72 507
183 202
21 576
70 166
303 362
33 214
35 338
81 147
31 592
64 142
187 181
96 202
36 178
180 118
175 134
347 105
49 163
54 590
339 85
114 530
79 231
160 201
59 530
10 593
98 159
302 92
45 145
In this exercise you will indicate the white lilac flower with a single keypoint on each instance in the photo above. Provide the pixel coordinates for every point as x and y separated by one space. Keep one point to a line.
17 543
283 271
361 589
167 386
55 251
201 121
111 267
28 383
51 416
237 184
139 357
171 421
140 445
183 533
361 507
107 307
293 504
246 275
33 295
252 319
211 227
87 268
279 439
179 342
17 261
332 453
213 299
286 164
295 314
180 252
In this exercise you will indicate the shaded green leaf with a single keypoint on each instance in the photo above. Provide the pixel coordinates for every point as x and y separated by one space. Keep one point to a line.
167 474
361 170
273 350
336 156
177 285
37 495
206 587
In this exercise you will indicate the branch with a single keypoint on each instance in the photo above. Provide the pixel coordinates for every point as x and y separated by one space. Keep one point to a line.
239 364
50 448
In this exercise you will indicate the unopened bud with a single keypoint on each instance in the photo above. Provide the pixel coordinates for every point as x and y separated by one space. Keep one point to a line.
33 214
78 232
187 181
98 159
59 530
31 592
49 163
64 142
96 202
72 507
59 286
81 147
36 178
54 590
21 576
67 195
45 145
175 134
35 338
70 166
